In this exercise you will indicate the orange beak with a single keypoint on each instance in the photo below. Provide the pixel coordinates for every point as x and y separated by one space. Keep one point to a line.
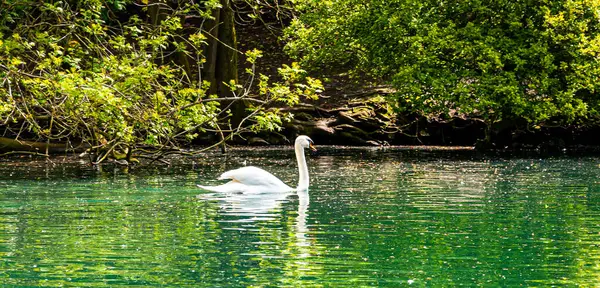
312 147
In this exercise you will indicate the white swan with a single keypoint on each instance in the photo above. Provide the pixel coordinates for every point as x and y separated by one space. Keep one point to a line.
254 179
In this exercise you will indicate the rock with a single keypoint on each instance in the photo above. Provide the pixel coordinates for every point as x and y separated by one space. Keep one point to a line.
351 139
346 117
257 141
352 129
303 116
275 138
323 125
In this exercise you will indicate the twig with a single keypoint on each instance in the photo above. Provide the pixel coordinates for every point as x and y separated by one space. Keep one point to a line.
200 101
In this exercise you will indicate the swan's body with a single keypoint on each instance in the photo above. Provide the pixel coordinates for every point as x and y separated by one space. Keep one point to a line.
249 179
254 179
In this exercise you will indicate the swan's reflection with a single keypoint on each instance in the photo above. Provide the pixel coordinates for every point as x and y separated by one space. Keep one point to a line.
302 241
253 208
301 228
248 207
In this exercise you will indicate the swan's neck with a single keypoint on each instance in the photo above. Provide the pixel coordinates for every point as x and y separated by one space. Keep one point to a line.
302 169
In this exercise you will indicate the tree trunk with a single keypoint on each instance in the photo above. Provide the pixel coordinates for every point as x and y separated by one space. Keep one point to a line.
227 56
209 70
227 61
222 59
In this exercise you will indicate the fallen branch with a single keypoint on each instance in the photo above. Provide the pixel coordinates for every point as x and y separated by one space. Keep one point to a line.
9 144
23 153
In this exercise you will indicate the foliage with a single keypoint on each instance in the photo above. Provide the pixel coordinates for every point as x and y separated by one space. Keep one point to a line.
108 75
500 60
273 14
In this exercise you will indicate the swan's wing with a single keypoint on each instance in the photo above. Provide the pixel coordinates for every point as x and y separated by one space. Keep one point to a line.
255 177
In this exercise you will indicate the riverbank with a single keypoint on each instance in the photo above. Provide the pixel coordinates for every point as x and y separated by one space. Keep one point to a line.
351 112
236 157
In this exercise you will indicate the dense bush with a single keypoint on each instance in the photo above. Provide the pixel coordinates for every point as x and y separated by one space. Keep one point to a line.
533 61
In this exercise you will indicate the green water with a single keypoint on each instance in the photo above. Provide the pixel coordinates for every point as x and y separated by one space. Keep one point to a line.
371 218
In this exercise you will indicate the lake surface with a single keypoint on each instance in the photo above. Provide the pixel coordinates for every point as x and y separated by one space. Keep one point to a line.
371 218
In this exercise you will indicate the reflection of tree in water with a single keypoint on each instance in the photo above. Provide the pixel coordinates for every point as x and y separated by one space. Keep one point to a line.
128 230
443 216
370 221
520 211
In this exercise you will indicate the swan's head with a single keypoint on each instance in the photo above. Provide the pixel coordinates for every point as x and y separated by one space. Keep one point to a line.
305 142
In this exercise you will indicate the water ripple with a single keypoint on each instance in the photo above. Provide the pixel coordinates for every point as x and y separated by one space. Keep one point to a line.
371 218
